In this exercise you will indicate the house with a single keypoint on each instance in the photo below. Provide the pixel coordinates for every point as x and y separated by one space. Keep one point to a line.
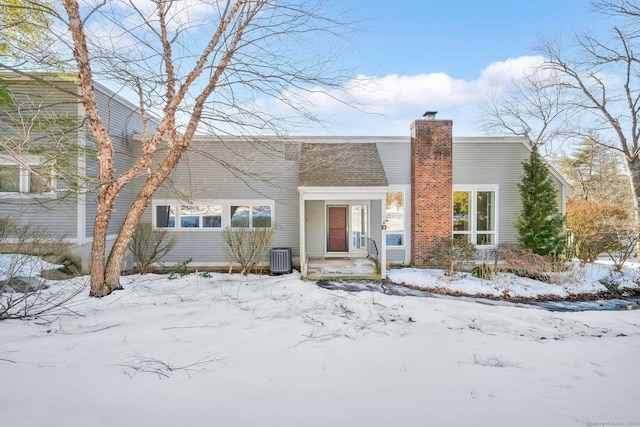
329 198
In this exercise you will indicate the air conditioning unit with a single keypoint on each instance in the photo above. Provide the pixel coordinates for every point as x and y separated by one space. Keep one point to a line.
280 261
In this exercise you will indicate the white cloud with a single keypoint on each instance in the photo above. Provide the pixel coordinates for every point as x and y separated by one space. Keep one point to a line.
386 105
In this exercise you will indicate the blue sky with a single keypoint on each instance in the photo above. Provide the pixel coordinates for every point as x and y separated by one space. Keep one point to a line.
442 55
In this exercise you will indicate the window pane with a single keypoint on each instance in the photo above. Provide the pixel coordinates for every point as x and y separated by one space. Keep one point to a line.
262 216
9 178
165 216
485 209
484 239
462 237
189 217
240 216
461 210
359 227
395 239
211 216
39 179
395 218
395 211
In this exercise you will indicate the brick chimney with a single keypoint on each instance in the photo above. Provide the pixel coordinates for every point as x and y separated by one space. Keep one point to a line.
431 184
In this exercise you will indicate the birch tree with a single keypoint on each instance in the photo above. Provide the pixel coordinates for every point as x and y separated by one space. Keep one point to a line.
193 63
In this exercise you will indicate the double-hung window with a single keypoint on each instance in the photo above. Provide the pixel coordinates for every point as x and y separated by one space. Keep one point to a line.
475 214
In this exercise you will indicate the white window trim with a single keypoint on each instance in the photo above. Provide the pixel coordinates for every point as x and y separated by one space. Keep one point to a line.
224 204
474 189
24 178
405 218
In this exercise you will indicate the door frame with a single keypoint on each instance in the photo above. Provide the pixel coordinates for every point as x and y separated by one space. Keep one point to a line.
348 205
346 230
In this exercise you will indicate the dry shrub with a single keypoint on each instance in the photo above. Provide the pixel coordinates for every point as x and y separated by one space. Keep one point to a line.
246 246
595 227
523 262
520 261
22 292
149 245
452 254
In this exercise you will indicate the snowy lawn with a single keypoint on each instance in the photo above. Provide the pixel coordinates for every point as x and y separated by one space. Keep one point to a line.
279 351
576 282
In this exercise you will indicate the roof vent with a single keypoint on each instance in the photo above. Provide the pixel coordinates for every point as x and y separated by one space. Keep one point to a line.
430 115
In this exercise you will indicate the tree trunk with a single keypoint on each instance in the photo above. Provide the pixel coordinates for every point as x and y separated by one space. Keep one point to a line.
633 172
99 287
119 250
113 267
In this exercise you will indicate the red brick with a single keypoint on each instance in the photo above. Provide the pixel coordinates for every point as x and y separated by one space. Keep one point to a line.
432 185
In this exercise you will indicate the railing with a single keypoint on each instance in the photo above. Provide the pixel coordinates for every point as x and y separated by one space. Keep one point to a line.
374 245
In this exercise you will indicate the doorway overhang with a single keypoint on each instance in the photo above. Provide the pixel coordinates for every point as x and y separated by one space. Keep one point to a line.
343 193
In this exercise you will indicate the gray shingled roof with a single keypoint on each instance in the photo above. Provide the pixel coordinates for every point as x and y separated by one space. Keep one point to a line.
341 165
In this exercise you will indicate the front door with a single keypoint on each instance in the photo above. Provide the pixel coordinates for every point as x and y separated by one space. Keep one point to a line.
337 238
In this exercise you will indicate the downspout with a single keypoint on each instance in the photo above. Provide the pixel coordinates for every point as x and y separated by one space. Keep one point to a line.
303 240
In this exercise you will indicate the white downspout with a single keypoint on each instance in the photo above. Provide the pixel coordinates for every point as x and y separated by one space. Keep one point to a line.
303 240
383 243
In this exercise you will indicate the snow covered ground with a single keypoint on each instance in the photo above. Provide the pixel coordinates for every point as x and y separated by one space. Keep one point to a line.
227 350
578 280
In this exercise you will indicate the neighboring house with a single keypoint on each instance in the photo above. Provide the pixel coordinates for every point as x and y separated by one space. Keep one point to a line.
47 157
388 198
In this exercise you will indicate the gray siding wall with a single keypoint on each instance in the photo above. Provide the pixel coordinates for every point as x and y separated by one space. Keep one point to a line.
260 172
395 160
315 228
375 230
491 163
55 212
122 121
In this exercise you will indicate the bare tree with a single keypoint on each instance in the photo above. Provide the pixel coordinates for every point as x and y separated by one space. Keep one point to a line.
534 107
603 77
156 49
596 174
591 90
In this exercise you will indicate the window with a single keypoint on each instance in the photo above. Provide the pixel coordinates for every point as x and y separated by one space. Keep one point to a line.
165 216
189 216
474 216
206 216
359 219
395 218
247 216
18 179
9 178
211 216
40 179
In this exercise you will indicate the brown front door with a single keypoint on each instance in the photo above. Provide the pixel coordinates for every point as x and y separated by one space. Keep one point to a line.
337 241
